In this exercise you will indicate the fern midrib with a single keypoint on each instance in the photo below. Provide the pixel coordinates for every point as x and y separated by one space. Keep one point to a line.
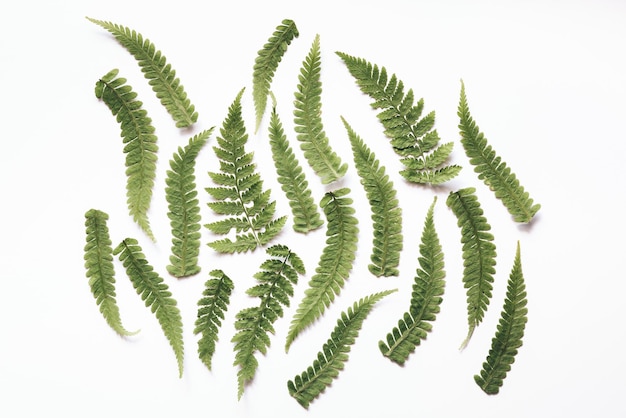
185 219
378 176
275 46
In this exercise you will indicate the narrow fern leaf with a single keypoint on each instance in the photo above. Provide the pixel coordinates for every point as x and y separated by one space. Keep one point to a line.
160 75
491 169
155 293
308 385
308 120
509 335
140 142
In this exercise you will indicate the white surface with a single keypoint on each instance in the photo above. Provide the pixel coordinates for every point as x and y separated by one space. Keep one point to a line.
545 82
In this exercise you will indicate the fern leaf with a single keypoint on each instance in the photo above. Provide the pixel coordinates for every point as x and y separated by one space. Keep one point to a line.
386 214
308 121
160 75
276 279
140 142
479 254
508 338
155 293
491 169
335 262
426 298
184 208
308 385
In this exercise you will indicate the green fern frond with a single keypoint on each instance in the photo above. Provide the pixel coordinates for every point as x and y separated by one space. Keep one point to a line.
184 209
155 293
308 120
426 298
276 279
211 309
491 169
335 262
508 338
266 63
412 136
239 193
386 214
479 254
160 75
140 142
308 385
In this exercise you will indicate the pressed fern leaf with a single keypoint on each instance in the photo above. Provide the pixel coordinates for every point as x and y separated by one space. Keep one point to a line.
140 142
308 121
386 214
266 63
335 262
426 298
306 387
211 309
155 293
99 269
184 208
491 169
412 136
276 278
509 334
160 75
239 194
479 254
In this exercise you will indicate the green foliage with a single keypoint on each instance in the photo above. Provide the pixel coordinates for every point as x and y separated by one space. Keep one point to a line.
308 120
184 208
160 75
412 136
335 262
386 214
509 334
426 298
331 359
491 169
276 278
140 142
155 293
239 193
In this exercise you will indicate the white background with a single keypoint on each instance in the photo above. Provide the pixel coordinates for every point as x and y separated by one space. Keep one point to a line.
546 84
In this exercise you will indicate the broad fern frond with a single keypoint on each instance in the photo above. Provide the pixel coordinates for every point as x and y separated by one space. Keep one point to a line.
491 169
426 297
509 334
140 142
386 214
276 278
479 254
308 385
184 208
155 293
412 136
160 75
308 120
335 262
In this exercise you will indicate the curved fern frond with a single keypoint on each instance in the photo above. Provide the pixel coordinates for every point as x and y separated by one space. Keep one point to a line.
509 334
155 293
276 279
160 75
140 142
479 254
184 208
491 169
412 136
211 309
308 120
386 214
426 298
308 385
335 262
